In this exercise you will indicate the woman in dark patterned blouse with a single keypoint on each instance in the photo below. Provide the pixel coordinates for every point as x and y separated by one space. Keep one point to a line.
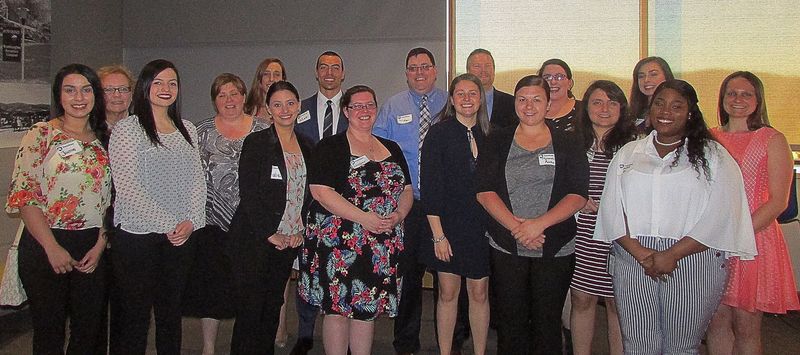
362 193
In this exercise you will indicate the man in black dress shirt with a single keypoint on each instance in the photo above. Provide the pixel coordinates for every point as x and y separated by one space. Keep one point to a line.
500 105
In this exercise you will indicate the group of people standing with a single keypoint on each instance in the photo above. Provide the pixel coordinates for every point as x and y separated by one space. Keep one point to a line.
512 201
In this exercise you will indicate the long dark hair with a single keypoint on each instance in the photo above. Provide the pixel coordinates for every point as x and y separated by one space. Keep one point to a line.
97 117
696 132
141 101
759 117
449 111
639 101
623 131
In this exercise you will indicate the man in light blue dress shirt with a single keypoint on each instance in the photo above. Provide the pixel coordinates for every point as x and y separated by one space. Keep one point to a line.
399 120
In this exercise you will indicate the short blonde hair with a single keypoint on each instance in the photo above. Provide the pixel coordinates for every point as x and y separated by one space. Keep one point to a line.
116 69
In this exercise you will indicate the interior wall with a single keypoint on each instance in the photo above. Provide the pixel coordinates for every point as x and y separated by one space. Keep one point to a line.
204 38
83 31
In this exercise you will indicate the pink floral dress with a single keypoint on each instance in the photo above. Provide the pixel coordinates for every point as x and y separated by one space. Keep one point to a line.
69 180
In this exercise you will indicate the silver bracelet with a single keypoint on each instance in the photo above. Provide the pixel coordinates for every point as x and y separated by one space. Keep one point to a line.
438 240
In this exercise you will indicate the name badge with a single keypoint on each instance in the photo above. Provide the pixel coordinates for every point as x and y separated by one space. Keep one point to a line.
276 173
305 116
547 159
404 119
359 162
69 148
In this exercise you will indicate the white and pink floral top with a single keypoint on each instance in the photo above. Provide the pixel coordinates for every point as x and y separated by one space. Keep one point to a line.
69 180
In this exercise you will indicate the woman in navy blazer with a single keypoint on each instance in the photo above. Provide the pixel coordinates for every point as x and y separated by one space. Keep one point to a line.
267 227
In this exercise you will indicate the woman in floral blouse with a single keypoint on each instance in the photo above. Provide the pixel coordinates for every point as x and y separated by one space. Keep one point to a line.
61 186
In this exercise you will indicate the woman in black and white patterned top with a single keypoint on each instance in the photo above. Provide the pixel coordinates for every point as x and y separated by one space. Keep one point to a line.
160 201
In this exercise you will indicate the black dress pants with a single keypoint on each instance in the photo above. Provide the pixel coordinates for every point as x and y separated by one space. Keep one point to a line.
55 297
149 274
259 283
530 296
409 311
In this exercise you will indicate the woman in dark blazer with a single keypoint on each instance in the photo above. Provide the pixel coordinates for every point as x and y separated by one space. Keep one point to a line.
532 179
267 227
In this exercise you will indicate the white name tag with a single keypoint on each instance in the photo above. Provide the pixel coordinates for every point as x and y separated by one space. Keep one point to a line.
547 159
359 162
404 119
305 116
69 148
276 173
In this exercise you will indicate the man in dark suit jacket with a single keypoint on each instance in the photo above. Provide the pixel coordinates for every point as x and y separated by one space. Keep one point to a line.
500 105
313 110
311 124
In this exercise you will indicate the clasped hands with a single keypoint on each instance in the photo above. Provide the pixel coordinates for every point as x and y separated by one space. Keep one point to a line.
659 265
375 223
529 233
283 241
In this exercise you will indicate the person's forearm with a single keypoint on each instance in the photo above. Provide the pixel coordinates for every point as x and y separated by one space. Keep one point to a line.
436 225
36 223
405 202
336 204
633 247
685 247
492 203
566 208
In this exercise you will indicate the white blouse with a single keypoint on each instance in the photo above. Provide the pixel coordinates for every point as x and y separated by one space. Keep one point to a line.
667 201
157 186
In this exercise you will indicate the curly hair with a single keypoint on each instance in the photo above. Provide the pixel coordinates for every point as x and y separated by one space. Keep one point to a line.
696 131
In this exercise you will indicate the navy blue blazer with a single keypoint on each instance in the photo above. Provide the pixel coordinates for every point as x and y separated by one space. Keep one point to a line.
503 112
310 128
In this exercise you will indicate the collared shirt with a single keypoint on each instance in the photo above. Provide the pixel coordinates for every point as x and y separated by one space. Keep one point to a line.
398 120
489 101
666 201
322 105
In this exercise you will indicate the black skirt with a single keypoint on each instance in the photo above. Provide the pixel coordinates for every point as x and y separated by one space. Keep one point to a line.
209 290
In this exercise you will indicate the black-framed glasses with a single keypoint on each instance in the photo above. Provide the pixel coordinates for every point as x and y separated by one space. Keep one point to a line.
359 107
417 68
120 89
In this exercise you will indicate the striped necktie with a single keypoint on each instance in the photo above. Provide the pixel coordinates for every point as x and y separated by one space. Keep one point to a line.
424 119
327 123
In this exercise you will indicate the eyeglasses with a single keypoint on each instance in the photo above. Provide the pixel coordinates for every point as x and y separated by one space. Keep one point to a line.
418 68
358 107
120 89
557 77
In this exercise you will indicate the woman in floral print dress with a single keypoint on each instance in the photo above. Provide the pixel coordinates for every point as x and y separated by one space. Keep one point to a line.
61 187
348 263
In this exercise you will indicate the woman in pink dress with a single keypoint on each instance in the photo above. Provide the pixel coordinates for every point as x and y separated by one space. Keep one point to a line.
764 284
